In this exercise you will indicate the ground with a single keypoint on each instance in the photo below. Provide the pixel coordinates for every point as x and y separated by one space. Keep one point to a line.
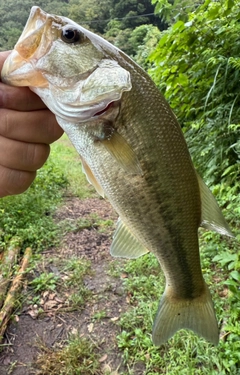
49 322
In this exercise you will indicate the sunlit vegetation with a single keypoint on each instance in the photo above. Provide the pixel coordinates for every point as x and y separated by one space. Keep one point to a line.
194 60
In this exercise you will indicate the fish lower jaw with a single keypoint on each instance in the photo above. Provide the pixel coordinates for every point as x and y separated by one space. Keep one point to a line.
103 111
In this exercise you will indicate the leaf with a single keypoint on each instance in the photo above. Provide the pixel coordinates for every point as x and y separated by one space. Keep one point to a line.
235 275
225 258
90 327
179 25
182 79
103 358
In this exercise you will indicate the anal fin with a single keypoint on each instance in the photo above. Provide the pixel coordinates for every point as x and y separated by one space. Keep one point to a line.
125 244
212 217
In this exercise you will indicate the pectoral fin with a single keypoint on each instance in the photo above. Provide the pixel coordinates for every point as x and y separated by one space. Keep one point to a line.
122 152
91 178
212 217
125 244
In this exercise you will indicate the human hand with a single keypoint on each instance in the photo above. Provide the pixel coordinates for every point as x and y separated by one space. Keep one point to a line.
27 128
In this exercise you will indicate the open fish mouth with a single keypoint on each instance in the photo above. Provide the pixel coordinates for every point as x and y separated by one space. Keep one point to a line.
31 46
72 89
105 110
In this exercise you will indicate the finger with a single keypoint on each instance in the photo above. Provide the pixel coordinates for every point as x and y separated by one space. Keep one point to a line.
19 98
14 181
35 127
22 156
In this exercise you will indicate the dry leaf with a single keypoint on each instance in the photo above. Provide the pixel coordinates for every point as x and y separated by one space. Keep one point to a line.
59 300
90 327
49 305
103 358
128 299
33 313
124 275
52 296
45 294
114 319
106 369
74 331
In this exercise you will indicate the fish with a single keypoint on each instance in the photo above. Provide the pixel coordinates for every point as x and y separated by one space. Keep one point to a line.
133 152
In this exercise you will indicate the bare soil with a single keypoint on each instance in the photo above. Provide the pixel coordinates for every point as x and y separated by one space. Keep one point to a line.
31 331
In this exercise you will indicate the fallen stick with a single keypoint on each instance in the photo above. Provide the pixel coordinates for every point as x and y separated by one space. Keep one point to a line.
10 300
8 261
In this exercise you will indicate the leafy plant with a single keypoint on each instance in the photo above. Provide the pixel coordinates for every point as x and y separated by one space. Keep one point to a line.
46 281
77 357
29 215
197 69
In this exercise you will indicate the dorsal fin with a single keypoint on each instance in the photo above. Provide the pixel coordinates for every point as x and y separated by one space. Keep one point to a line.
212 217
125 244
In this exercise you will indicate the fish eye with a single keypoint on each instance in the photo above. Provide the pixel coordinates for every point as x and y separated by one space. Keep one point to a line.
70 35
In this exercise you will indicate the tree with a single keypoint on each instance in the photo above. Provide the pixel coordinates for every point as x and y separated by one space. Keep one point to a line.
94 14
175 10
14 14
197 67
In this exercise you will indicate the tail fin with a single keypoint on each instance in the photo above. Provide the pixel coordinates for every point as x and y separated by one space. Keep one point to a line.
196 314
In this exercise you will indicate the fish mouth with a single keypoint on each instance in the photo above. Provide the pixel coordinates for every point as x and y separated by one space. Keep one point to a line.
33 43
105 110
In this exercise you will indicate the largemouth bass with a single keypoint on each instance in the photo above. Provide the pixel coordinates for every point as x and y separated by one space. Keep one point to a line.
133 152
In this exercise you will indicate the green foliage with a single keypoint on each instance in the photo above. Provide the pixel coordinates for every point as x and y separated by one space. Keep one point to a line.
28 215
175 10
144 39
46 281
68 161
76 269
197 69
77 357
185 353
94 14
14 14
113 19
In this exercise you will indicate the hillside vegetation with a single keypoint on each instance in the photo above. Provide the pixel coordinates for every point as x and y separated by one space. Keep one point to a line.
191 51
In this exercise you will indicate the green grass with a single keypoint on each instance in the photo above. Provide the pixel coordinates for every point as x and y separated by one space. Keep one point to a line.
91 221
77 269
68 160
77 357
29 216
185 353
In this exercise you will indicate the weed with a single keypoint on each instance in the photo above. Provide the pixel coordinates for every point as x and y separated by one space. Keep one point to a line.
69 162
115 268
46 281
77 357
76 270
99 315
28 215
185 353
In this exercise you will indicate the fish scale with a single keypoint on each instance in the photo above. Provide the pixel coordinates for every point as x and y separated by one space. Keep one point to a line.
133 152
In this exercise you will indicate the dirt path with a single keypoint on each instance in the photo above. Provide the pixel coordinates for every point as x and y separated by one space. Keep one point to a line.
32 330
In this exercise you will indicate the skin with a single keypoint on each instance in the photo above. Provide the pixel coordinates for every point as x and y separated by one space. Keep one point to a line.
27 128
